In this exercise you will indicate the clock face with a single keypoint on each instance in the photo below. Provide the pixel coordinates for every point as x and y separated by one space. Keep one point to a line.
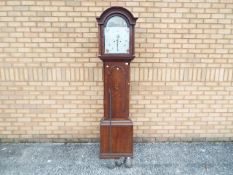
116 35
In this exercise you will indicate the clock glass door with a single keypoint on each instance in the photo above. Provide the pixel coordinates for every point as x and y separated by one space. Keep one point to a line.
117 37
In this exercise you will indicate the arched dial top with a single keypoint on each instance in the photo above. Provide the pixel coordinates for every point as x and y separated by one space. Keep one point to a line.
116 36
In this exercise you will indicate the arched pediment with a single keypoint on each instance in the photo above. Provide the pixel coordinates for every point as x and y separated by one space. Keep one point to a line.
112 11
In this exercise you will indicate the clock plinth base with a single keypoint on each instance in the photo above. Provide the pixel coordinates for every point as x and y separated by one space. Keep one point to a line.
116 138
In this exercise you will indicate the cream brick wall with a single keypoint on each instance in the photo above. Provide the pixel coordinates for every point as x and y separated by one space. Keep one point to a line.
51 78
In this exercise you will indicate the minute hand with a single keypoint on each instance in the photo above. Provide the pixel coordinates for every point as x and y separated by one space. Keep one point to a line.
117 41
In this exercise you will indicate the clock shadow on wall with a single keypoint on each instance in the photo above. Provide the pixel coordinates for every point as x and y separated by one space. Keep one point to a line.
116 50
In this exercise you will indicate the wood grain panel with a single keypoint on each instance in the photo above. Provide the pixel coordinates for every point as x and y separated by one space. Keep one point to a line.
119 142
116 77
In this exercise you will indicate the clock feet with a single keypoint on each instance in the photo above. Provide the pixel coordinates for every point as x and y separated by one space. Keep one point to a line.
111 164
128 162
120 161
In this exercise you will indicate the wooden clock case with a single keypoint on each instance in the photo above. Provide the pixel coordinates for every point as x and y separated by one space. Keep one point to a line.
116 128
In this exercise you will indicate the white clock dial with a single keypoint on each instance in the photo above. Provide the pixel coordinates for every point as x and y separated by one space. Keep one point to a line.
116 35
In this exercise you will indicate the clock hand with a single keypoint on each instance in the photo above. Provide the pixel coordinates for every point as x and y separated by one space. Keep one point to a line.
117 41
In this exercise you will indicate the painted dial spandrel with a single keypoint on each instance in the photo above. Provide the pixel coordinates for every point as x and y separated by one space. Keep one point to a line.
116 35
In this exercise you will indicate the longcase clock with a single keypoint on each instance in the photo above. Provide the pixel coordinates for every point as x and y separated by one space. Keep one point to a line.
116 50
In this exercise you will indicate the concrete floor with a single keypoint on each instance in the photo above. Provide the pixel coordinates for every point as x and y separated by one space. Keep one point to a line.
79 159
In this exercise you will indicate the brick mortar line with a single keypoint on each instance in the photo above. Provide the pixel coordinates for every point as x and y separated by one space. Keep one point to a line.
162 81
